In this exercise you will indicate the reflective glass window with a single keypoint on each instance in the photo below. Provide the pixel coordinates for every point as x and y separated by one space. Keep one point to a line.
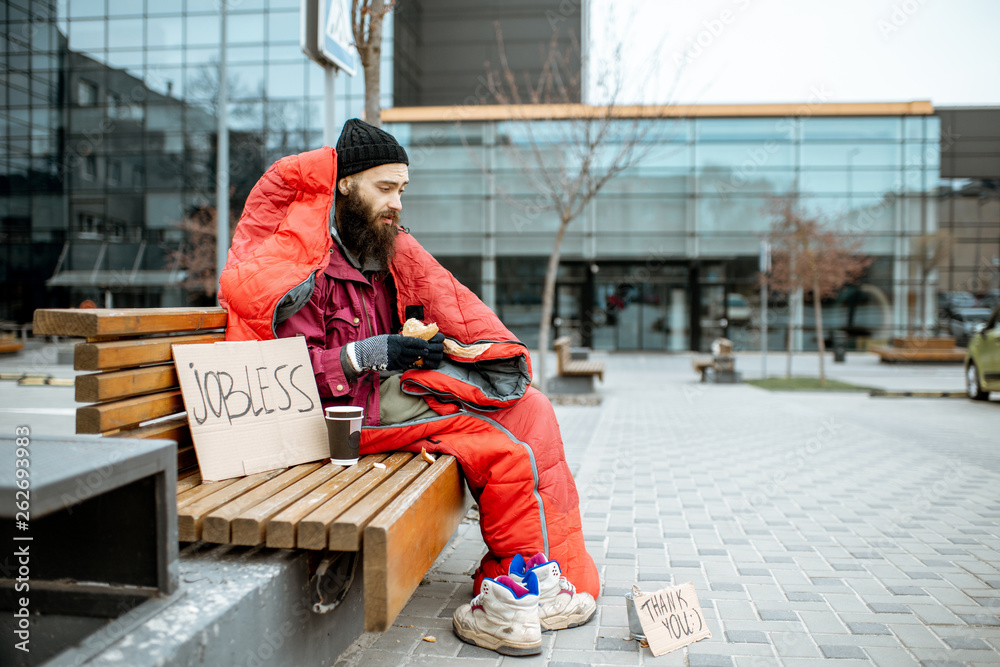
85 8
740 129
828 154
202 29
677 155
164 80
913 127
285 80
243 28
123 7
174 56
204 56
745 181
279 52
748 155
851 128
131 60
160 7
283 27
742 214
86 93
932 128
848 181
238 55
43 37
164 31
125 33
86 35
245 81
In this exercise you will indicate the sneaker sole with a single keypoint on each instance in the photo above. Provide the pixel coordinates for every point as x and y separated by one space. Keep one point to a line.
494 644
566 622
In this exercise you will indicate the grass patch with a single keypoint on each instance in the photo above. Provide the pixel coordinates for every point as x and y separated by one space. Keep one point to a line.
805 384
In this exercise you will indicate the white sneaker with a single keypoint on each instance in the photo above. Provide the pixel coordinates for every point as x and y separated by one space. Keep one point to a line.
503 617
559 605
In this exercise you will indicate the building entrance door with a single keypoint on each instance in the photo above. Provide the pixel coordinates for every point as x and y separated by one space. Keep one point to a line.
652 315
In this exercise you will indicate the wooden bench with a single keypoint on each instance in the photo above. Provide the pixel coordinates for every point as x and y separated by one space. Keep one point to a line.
567 366
399 516
928 349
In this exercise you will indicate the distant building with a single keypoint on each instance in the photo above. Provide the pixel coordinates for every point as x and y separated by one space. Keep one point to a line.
109 145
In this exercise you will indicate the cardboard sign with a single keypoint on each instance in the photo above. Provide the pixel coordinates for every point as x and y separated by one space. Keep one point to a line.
671 618
252 406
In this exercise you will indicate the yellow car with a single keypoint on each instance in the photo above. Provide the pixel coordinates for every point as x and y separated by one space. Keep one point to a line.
982 361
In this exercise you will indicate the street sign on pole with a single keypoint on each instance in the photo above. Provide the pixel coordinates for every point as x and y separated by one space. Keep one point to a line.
327 38
337 39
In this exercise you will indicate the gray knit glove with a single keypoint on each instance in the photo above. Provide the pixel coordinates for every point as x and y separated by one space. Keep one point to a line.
387 352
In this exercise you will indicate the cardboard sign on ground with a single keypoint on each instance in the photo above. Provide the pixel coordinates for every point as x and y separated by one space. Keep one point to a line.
252 406
671 618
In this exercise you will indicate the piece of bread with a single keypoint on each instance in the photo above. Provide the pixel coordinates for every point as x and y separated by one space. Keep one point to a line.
417 329
456 349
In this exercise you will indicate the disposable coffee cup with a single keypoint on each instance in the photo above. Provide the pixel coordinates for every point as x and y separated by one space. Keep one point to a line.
343 430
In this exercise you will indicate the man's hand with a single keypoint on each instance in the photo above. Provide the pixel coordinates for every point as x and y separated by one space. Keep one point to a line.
390 352
435 352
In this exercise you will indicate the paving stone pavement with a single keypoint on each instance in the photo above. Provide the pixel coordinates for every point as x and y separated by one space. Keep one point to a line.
813 526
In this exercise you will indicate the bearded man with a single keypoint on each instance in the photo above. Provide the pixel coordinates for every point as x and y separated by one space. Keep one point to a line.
345 282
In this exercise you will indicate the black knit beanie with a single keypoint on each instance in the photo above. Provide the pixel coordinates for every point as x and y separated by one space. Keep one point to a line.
362 146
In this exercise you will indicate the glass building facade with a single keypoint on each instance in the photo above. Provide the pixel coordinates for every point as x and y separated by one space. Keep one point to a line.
665 257
108 135
108 129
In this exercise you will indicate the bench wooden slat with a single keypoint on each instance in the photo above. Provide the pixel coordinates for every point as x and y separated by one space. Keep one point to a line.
109 322
172 428
281 530
347 530
403 541
215 527
313 529
250 527
189 482
112 385
916 355
188 496
928 343
127 412
134 352
191 516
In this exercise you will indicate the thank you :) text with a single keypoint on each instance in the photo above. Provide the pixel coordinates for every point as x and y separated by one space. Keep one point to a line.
671 618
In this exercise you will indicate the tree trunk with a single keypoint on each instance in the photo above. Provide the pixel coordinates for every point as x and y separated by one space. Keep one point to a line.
791 336
791 316
371 61
818 311
548 299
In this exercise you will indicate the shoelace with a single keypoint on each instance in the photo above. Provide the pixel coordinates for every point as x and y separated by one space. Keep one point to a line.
565 585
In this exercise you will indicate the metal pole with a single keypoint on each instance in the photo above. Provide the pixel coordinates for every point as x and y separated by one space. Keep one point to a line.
329 113
765 268
222 157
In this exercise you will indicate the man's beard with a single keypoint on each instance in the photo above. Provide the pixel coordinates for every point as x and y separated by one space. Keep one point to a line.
363 232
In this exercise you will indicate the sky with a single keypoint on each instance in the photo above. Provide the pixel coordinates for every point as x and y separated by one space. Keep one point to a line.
783 51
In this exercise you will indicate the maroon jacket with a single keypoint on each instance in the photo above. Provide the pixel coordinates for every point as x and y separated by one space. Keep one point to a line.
345 307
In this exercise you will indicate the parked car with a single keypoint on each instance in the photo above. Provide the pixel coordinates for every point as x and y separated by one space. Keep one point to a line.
965 322
982 361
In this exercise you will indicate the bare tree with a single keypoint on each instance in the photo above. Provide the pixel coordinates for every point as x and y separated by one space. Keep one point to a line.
367 17
570 159
808 257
